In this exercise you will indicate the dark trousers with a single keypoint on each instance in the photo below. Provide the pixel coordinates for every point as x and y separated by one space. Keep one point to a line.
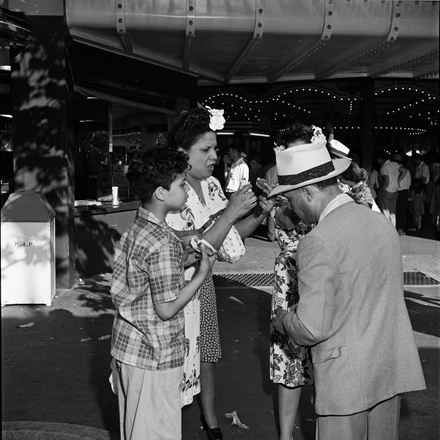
402 210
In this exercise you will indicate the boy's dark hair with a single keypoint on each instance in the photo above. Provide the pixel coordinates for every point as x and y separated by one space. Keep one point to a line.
354 173
295 132
189 129
154 168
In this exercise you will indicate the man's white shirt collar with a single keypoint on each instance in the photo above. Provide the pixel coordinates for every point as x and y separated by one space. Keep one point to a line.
339 200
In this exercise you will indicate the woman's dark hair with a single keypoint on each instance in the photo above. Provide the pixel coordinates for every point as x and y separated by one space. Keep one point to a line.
327 183
297 131
154 168
354 173
189 129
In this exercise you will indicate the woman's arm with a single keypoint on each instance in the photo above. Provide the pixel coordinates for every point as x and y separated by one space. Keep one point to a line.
239 205
167 310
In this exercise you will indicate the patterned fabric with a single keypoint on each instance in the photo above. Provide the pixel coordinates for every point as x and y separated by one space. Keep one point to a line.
361 194
290 364
148 269
209 330
194 219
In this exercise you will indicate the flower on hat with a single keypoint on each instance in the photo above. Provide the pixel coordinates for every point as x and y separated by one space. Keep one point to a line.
318 136
217 120
278 148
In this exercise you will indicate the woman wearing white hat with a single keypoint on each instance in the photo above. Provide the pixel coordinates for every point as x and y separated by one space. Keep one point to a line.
290 365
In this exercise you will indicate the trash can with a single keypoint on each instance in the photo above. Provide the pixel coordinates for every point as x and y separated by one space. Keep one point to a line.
27 249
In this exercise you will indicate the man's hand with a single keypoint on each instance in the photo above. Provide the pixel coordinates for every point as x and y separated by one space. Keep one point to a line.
277 321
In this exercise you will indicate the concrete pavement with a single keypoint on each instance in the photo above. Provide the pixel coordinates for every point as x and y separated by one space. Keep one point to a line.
57 370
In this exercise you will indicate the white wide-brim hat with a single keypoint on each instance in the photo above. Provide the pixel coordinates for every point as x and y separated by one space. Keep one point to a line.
304 165
338 149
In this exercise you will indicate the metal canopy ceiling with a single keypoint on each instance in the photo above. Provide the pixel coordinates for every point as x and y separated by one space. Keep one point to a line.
267 41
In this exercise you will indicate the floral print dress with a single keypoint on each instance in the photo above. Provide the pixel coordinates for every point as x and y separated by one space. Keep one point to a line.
290 364
202 339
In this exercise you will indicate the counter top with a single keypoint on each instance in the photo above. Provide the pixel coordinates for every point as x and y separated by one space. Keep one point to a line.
106 208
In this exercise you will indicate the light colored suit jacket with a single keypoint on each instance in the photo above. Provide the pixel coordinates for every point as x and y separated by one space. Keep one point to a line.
352 312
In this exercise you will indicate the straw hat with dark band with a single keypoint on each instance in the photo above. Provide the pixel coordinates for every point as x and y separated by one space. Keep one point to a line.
304 165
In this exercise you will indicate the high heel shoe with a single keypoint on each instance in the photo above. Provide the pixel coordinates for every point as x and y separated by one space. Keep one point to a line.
213 433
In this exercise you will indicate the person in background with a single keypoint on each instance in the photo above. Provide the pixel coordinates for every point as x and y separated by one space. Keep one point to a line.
338 150
329 132
221 167
434 172
149 293
255 170
387 192
404 182
351 309
210 216
421 169
435 208
373 182
417 204
238 172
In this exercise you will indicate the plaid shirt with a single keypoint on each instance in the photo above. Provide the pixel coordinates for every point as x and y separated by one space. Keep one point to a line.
148 269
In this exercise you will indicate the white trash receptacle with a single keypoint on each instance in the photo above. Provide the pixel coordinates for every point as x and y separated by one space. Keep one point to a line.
27 249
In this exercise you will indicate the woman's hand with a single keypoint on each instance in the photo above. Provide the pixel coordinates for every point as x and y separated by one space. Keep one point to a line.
267 204
264 185
190 256
241 203
207 259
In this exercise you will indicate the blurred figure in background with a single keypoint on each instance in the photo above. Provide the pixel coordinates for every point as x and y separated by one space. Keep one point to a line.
238 172
255 170
417 205
221 167
387 192
404 182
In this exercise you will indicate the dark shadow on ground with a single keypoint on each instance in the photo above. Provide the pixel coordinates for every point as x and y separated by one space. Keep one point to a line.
50 375
95 293
424 318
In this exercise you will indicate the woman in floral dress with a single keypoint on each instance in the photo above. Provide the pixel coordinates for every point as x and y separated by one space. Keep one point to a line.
209 215
290 364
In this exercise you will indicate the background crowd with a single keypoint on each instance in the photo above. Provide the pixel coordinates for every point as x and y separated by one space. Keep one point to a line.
403 185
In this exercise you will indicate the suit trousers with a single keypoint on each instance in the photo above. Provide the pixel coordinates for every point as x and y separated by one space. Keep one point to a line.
378 423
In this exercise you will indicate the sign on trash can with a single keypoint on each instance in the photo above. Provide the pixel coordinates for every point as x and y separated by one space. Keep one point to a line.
27 249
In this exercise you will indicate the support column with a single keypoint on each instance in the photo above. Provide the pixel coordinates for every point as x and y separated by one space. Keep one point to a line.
41 91
366 121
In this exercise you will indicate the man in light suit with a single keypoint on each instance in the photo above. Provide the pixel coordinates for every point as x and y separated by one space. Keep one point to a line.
351 309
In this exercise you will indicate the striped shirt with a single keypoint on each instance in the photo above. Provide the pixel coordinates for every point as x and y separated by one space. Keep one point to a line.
148 269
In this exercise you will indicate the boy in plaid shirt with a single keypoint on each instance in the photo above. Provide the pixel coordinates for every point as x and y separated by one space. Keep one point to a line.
149 292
